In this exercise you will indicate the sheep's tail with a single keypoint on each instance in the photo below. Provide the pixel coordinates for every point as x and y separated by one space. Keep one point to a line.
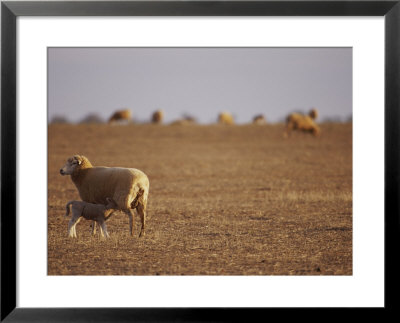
67 208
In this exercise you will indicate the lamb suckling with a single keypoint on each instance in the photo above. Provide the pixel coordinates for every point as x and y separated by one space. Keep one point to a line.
89 211
128 187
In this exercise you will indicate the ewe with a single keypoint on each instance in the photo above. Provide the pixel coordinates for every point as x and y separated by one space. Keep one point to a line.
95 212
128 187
305 123
120 116
157 116
225 118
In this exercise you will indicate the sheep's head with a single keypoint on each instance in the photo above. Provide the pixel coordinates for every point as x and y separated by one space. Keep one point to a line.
111 203
74 163
313 114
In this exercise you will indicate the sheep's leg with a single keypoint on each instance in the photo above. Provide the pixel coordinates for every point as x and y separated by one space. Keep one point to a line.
141 209
130 215
288 129
101 231
131 219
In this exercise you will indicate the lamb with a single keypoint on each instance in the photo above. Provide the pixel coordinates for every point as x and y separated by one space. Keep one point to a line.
95 212
157 116
306 123
128 187
225 118
121 115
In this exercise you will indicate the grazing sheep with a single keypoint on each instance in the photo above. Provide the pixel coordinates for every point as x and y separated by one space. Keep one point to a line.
89 211
305 123
128 187
121 115
225 118
92 118
158 116
182 122
259 120
185 121
313 114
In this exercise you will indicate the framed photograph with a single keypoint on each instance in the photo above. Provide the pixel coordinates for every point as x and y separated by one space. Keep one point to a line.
221 158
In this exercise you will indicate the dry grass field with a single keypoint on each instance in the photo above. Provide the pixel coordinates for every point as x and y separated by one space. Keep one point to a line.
224 200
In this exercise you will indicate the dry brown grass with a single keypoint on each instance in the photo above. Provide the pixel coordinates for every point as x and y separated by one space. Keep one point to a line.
238 200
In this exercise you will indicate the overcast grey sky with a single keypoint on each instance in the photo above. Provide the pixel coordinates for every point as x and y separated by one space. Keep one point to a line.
200 82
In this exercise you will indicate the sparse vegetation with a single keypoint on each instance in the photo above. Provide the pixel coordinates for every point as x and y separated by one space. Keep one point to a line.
237 200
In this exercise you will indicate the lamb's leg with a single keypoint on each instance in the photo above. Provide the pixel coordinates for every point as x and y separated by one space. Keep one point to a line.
71 223
71 226
103 229
94 224
74 227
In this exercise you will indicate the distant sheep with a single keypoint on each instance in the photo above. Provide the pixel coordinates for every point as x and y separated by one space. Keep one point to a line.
128 187
120 116
259 120
185 121
305 123
313 114
226 118
89 211
158 116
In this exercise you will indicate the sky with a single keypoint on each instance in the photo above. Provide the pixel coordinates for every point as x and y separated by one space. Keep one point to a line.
200 82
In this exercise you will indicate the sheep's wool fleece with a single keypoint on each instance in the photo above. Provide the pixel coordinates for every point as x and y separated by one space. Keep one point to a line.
225 118
302 122
95 184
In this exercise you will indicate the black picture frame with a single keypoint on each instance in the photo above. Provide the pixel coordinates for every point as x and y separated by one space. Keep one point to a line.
10 10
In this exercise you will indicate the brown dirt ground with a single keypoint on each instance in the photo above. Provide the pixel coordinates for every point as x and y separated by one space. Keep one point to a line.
224 200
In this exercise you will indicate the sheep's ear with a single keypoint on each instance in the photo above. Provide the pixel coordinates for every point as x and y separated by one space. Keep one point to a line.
78 159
